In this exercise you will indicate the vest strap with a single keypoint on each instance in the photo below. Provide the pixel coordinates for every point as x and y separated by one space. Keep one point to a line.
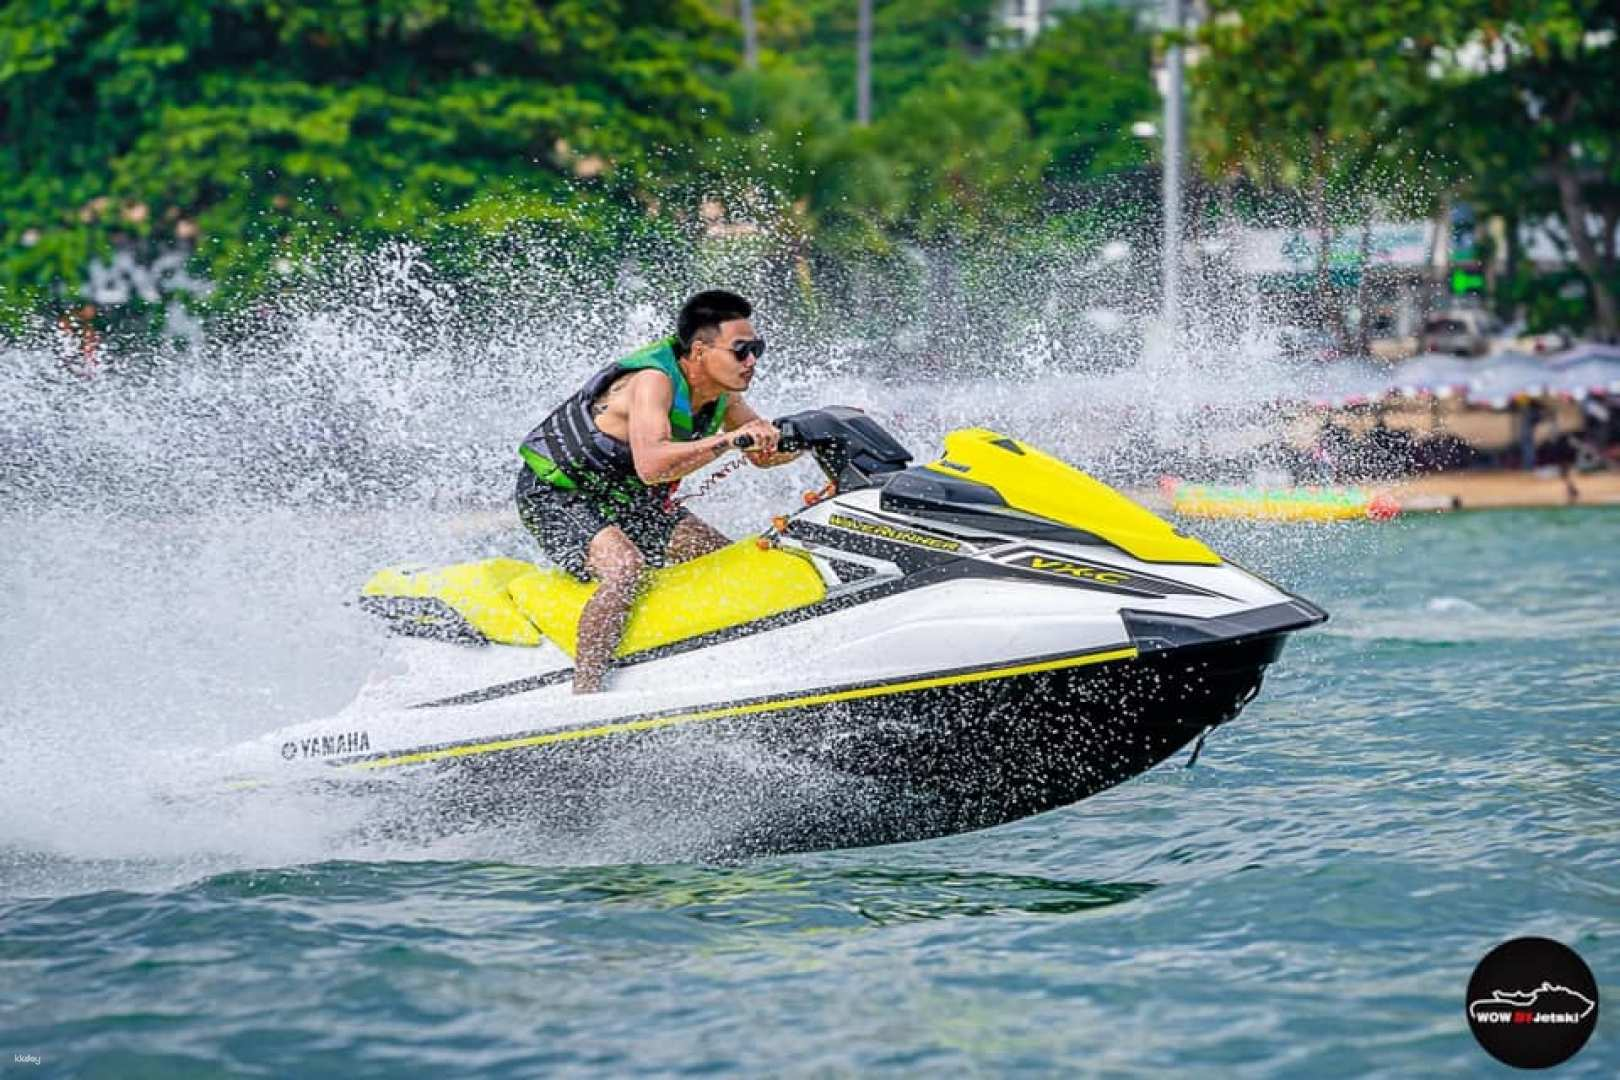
546 469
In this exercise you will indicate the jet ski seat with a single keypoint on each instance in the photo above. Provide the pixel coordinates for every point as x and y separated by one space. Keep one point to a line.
737 584
511 602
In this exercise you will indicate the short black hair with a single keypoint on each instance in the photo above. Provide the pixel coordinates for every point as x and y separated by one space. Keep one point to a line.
705 312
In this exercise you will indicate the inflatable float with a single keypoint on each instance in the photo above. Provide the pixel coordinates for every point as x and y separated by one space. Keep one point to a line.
1279 503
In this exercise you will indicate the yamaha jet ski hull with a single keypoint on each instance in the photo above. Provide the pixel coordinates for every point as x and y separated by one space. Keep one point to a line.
923 763
928 651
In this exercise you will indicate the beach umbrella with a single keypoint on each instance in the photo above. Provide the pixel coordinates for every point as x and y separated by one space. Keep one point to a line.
1344 383
1580 354
1436 374
1500 379
1585 377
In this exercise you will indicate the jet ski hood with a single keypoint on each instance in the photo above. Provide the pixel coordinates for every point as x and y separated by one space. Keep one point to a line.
983 469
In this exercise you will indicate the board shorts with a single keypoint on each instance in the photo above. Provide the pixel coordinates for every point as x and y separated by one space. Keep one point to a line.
564 522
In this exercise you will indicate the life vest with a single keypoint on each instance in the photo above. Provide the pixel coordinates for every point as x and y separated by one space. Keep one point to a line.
568 450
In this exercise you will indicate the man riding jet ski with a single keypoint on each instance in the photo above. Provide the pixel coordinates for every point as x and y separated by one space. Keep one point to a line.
926 650
599 472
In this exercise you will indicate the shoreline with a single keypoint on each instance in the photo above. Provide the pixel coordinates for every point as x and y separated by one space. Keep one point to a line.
1507 489
1444 492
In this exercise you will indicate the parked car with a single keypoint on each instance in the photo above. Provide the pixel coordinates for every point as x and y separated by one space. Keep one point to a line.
1551 342
1458 332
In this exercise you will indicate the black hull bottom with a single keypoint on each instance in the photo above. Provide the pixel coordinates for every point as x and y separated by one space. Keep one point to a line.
910 766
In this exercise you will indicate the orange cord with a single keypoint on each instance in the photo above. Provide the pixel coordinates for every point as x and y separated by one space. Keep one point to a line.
813 497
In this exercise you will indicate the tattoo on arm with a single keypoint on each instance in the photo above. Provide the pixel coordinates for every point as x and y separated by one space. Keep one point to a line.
604 400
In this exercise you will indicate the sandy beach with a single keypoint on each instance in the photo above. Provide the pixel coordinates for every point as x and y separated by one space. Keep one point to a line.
1495 489
1505 489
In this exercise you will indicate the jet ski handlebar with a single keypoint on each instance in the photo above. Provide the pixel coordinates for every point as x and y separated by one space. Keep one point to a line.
851 447
790 441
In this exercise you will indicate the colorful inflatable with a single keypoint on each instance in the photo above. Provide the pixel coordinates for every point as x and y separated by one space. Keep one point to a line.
1280 504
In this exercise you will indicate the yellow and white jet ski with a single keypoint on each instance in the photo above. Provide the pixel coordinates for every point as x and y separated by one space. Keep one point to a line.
928 649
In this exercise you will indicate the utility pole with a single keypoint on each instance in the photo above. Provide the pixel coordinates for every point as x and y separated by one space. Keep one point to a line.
1174 137
750 36
863 65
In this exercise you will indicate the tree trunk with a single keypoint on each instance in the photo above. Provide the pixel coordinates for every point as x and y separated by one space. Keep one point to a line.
863 64
1515 257
750 36
1440 258
1586 254
1364 320
1329 311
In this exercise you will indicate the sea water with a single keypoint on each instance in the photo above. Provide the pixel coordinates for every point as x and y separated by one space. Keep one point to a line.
1434 772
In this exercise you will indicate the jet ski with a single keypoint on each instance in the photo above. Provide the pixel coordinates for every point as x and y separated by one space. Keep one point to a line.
919 650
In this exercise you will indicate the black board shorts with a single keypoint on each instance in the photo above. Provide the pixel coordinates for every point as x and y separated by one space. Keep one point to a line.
565 522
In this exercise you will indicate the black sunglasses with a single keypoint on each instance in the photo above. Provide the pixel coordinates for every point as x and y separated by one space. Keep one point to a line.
744 347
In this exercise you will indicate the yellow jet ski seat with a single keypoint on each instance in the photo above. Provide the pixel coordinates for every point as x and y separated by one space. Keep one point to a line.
509 602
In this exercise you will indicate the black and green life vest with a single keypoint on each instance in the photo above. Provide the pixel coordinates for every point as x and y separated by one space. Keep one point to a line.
568 450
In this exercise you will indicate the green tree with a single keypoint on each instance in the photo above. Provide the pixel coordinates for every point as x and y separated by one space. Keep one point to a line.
1324 97
258 132
1531 104
1513 104
258 128
963 157
911 40
972 126
823 178
1082 84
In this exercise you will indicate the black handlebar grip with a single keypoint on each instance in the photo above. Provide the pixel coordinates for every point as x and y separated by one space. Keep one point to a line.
789 442
742 442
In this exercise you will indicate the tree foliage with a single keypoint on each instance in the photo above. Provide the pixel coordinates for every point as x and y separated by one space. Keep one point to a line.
1530 102
1513 105
1082 84
911 41
260 127
972 129
256 133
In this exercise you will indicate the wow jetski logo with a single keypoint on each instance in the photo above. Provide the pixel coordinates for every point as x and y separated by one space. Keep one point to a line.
1547 1004
1532 1003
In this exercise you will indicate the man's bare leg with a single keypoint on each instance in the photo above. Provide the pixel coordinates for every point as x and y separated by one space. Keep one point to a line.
693 537
616 565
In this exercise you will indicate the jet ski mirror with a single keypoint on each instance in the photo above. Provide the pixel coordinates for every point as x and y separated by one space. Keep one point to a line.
851 448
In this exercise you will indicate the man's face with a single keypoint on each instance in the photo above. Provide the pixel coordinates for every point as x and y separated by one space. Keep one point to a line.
720 360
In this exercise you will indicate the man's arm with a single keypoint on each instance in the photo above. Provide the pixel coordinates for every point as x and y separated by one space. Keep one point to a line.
660 459
740 414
